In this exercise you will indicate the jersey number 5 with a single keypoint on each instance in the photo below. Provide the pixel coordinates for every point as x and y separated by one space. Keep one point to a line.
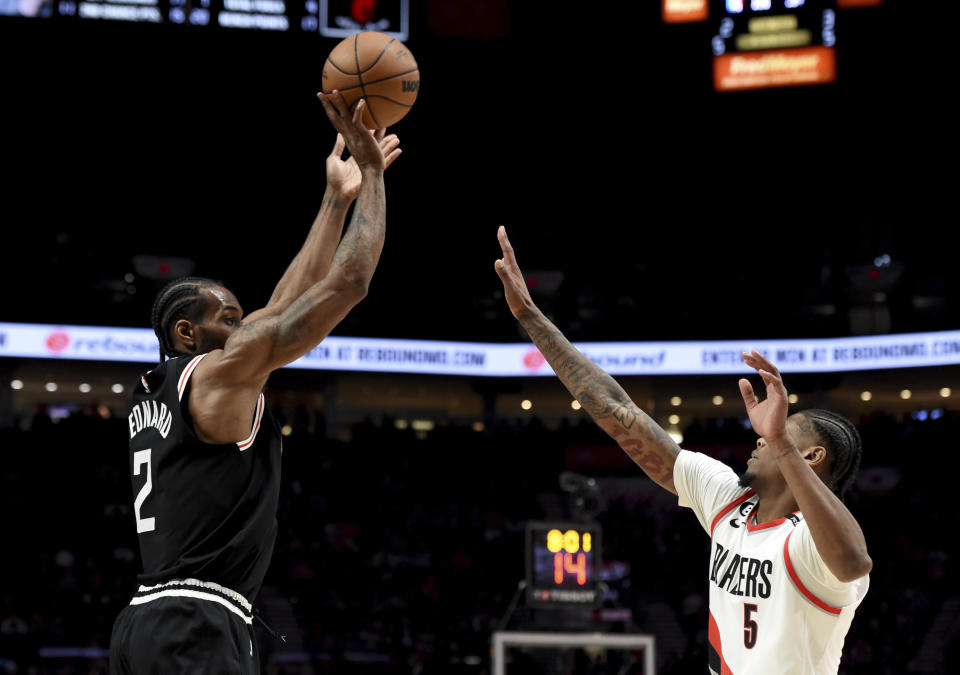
141 457
749 626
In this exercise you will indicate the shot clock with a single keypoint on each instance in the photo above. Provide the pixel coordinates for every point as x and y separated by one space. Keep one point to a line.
563 563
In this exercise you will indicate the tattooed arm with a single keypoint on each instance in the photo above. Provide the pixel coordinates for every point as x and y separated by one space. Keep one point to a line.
313 261
226 383
644 441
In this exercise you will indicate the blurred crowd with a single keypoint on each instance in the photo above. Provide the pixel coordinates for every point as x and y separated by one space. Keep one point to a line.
401 551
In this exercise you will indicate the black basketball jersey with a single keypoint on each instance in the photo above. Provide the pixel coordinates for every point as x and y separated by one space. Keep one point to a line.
203 511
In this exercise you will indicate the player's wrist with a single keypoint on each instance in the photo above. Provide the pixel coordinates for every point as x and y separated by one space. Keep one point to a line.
528 313
372 169
337 197
782 445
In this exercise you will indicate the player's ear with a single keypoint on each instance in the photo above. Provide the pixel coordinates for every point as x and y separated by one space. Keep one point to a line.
184 333
816 457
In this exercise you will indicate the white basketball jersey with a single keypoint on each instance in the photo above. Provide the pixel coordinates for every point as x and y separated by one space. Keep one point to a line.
775 608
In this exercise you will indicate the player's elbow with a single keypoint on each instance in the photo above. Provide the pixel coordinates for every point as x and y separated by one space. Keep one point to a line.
353 290
353 285
357 289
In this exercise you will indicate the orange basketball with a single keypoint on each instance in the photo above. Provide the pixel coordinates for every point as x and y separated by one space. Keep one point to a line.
375 67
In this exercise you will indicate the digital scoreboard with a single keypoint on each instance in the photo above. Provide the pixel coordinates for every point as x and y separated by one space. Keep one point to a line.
760 44
563 564
330 18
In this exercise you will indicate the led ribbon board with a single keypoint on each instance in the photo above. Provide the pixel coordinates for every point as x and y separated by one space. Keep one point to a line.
433 357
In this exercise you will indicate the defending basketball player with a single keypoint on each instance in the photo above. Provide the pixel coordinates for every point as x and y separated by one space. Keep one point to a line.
788 563
204 447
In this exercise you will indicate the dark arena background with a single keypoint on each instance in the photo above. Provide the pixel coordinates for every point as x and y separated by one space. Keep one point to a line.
661 184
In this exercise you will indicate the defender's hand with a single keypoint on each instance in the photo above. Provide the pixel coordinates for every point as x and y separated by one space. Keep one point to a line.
343 176
769 417
514 285
363 145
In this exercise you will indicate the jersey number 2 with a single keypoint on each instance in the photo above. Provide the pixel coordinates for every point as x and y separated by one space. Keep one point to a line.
141 457
749 626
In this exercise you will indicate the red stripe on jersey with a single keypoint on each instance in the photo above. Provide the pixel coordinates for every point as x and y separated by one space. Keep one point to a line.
713 635
185 375
243 445
751 519
729 507
799 584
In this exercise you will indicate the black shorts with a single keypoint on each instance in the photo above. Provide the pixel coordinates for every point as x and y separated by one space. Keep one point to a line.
181 634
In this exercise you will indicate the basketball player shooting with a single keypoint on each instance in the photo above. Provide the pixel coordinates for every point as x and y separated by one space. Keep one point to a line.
788 562
205 449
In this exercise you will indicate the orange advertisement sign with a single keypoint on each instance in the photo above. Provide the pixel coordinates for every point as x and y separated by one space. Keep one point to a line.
685 11
774 68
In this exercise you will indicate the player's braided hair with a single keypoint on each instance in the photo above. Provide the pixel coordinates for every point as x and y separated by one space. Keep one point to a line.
180 299
842 440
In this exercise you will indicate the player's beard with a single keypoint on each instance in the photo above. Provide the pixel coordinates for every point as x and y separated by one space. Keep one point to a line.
208 340
746 478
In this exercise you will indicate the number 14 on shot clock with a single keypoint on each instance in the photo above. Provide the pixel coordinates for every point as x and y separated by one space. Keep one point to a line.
563 563
570 551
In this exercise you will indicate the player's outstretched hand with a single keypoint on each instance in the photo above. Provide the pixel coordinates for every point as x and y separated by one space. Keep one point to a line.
343 175
514 285
769 417
364 146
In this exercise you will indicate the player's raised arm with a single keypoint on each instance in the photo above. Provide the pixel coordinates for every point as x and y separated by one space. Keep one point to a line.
835 531
314 313
227 382
313 261
644 441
